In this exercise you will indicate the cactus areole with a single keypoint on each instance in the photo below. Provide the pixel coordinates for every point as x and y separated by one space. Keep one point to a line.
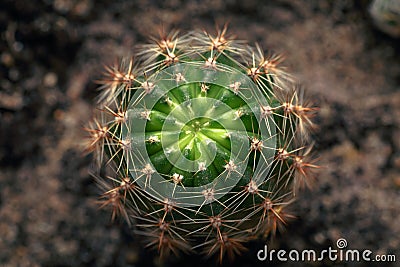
204 140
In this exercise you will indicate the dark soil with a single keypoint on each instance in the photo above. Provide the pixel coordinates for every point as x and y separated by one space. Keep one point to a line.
52 51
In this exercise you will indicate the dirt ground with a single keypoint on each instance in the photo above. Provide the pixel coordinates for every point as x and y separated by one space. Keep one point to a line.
52 51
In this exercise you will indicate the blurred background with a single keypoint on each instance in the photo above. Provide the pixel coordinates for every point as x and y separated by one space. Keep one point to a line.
52 51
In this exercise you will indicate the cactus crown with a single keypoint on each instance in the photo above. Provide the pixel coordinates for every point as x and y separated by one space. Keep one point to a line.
204 140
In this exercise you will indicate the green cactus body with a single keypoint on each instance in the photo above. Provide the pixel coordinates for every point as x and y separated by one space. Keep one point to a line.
204 151
386 16
197 128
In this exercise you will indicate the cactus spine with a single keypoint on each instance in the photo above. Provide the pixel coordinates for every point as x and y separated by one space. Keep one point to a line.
202 143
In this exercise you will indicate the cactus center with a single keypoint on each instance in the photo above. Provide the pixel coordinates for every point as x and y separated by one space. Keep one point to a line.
197 132
188 132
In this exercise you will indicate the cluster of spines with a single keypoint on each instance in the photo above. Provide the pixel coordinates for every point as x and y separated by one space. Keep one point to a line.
170 228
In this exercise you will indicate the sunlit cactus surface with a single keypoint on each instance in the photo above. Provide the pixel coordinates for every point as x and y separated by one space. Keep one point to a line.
200 143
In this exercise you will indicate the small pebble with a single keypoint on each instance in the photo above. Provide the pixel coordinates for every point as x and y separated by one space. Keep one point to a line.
50 79
7 59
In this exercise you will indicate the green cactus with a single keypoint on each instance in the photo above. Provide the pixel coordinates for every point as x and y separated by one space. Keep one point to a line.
386 16
202 143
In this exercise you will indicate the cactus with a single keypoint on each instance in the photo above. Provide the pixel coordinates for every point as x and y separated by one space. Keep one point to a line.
201 143
386 16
